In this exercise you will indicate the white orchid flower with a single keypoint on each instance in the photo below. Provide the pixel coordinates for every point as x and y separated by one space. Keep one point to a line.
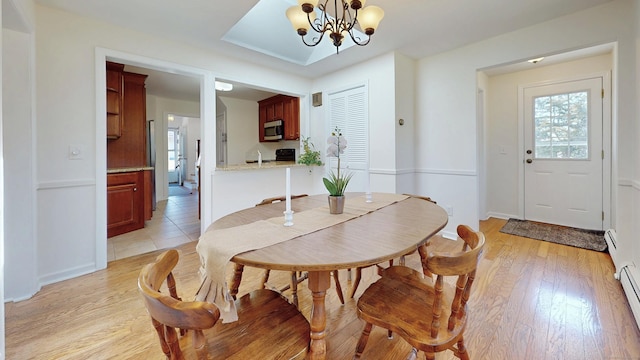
336 183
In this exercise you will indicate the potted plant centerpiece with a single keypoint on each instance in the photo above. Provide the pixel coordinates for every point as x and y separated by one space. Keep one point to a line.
336 183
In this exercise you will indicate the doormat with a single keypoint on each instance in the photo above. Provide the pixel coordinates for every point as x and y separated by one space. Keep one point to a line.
581 238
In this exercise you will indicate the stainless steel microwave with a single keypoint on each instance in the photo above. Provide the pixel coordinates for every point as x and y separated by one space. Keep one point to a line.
273 130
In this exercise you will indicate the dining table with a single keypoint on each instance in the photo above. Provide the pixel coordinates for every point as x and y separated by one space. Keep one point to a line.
372 229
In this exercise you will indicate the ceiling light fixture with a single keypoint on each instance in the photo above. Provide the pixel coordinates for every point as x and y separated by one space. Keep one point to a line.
336 22
536 60
223 86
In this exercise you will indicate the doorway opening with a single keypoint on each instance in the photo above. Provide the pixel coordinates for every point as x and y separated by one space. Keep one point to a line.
501 120
203 105
183 151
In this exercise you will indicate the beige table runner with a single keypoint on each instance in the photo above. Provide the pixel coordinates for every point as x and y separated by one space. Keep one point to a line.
217 247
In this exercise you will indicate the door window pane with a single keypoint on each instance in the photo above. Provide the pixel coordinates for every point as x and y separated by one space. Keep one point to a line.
171 142
562 126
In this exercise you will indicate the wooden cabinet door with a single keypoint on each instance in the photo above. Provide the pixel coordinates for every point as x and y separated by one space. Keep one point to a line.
292 116
266 113
271 112
278 110
125 203
130 150
262 118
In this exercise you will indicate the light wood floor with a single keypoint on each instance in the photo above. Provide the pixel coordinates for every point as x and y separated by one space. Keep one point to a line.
532 300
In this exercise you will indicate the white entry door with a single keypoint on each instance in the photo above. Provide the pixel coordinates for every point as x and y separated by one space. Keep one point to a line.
564 153
173 163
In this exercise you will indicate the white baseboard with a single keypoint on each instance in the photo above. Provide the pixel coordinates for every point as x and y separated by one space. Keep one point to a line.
68 274
449 235
504 216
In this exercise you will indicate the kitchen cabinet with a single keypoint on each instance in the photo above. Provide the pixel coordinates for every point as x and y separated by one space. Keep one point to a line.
125 202
280 107
129 183
130 148
291 109
114 100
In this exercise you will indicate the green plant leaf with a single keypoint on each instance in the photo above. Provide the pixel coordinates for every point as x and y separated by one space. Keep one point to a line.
331 187
337 185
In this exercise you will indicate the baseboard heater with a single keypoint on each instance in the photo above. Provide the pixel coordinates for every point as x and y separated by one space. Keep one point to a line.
627 274
631 289
612 243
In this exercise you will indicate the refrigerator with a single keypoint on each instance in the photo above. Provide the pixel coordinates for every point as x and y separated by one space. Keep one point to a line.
151 159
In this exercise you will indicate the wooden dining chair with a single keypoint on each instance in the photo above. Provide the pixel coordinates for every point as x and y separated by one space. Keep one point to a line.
274 199
430 316
381 267
268 326
296 277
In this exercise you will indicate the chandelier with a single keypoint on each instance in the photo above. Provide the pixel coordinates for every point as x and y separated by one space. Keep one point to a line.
337 21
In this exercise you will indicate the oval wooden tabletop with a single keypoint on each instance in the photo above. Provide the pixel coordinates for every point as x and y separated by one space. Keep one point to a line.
376 237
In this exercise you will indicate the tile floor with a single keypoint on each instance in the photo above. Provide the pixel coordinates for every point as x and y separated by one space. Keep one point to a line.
174 222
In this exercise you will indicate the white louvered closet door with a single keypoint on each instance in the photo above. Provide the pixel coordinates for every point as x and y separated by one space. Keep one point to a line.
349 111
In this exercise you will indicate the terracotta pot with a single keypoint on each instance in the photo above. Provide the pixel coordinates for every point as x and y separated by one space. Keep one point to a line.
336 204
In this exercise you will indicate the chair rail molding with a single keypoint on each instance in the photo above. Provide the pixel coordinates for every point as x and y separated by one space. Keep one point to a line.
61 184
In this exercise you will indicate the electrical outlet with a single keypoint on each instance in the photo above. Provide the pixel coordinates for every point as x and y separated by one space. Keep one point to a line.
449 209
76 152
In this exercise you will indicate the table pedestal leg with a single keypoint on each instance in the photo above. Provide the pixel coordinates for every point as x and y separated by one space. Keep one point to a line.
235 282
319 282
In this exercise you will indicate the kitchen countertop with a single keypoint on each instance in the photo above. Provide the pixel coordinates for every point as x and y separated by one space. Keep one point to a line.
254 166
128 169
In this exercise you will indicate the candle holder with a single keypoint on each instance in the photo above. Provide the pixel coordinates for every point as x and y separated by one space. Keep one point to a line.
368 197
288 218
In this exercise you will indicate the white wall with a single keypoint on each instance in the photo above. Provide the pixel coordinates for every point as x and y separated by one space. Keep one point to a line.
634 189
2 243
66 47
481 126
503 170
379 74
20 15
446 97
446 152
405 105
18 129
242 129
245 188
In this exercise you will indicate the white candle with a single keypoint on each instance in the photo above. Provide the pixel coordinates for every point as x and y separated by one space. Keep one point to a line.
288 189
368 186
368 182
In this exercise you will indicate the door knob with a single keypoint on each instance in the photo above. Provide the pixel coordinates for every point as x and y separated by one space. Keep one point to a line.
529 161
529 152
